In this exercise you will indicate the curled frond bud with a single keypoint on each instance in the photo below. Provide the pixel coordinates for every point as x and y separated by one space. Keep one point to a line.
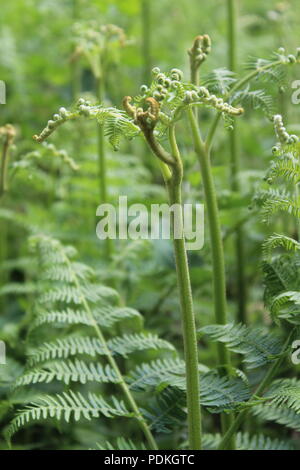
153 110
130 110
283 136
176 74
9 132
155 71
199 51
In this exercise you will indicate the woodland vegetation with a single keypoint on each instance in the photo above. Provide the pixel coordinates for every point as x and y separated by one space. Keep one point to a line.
142 344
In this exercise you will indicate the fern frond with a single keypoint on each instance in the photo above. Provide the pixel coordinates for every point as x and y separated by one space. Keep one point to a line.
285 416
258 347
279 241
74 345
68 316
68 405
270 70
281 300
281 203
285 392
167 410
257 99
219 81
170 371
128 344
69 371
220 394
65 348
244 441
287 168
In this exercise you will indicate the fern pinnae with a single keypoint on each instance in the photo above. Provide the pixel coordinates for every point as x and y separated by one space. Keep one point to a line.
279 241
83 296
67 405
69 371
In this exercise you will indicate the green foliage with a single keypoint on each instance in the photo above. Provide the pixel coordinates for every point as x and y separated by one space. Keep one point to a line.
257 346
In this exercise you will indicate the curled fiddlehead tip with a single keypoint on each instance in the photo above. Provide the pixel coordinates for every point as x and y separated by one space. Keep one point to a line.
130 110
283 136
143 118
8 131
57 119
199 51
288 58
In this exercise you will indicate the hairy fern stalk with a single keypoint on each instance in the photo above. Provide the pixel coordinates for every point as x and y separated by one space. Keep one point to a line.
81 337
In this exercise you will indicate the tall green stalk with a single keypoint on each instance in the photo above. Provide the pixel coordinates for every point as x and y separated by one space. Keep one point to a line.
8 133
146 40
100 93
186 301
234 168
219 281
75 68
172 170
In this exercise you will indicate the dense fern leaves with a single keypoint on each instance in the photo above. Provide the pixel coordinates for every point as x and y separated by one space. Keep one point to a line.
281 252
66 345
66 406
245 441
257 347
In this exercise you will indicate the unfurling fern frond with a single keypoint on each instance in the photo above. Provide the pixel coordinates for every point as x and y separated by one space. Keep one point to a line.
281 203
281 301
279 241
268 69
257 99
257 347
219 81
287 168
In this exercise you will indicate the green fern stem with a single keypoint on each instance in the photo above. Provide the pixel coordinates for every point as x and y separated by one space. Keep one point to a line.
4 165
146 39
130 399
186 301
219 281
75 65
234 167
172 170
258 393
